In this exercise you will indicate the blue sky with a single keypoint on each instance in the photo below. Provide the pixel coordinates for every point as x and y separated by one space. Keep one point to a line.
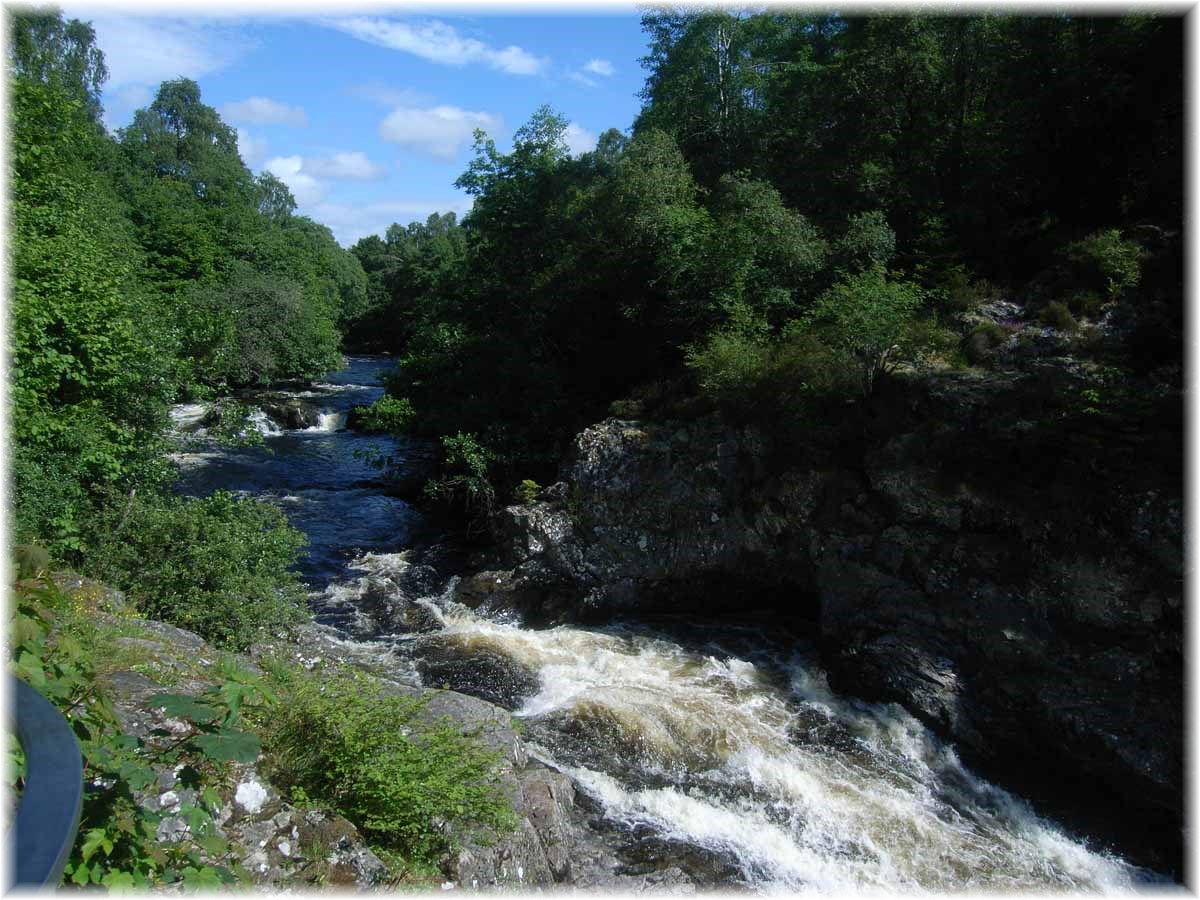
368 115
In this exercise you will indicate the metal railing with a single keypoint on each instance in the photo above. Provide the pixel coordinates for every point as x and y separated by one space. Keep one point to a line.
52 800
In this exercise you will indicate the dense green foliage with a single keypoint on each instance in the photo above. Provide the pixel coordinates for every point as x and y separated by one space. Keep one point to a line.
864 315
342 739
805 200
387 414
217 565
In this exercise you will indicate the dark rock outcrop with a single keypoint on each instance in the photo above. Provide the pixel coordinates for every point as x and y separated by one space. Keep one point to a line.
1000 552
288 412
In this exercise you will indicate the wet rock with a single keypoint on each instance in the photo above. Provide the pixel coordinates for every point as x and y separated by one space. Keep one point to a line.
392 609
290 413
481 672
547 797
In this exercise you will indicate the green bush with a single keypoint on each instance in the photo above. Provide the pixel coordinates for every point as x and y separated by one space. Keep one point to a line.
1106 261
752 376
864 316
527 491
1058 316
1086 303
981 340
387 414
731 362
957 291
867 242
464 480
926 338
219 566
414 785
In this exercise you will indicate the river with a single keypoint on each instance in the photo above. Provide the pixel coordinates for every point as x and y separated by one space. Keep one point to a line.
707 737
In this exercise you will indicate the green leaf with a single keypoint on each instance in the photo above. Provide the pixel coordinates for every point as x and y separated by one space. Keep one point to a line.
81 874
229 746
214 843
118 882
96 839
29 669
137 775
206 877
185 707
211 798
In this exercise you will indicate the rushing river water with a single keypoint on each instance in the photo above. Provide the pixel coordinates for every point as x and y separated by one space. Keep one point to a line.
723 739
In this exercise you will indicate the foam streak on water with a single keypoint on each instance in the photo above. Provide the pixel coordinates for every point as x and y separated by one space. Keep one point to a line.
807 790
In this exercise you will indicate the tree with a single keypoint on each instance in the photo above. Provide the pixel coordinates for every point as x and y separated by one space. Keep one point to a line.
275 200
763 256
91 361
181 138
704 86
864 314
867 242
62 54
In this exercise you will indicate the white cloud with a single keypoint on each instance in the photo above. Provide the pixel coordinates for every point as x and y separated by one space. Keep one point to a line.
251 149
309 176
599 67
438 42
142 52
133 96
305 188
580 140
147 51
581 78
264 111
440 131
349 221
353 165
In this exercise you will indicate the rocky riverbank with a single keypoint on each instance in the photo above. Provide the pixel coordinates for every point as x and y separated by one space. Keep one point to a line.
285 846
1000 551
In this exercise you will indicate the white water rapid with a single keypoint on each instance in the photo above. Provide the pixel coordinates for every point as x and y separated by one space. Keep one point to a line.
758 760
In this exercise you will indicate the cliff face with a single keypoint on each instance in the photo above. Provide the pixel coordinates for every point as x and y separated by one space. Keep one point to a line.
999 552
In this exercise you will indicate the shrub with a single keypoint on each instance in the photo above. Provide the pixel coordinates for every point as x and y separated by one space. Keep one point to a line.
752 376
868 242
527 491
231 423
1085 302
731 362
387 414
1106 261
464 480
219 566
956 291
409 783
864 315
1057 315
924 337
982 339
